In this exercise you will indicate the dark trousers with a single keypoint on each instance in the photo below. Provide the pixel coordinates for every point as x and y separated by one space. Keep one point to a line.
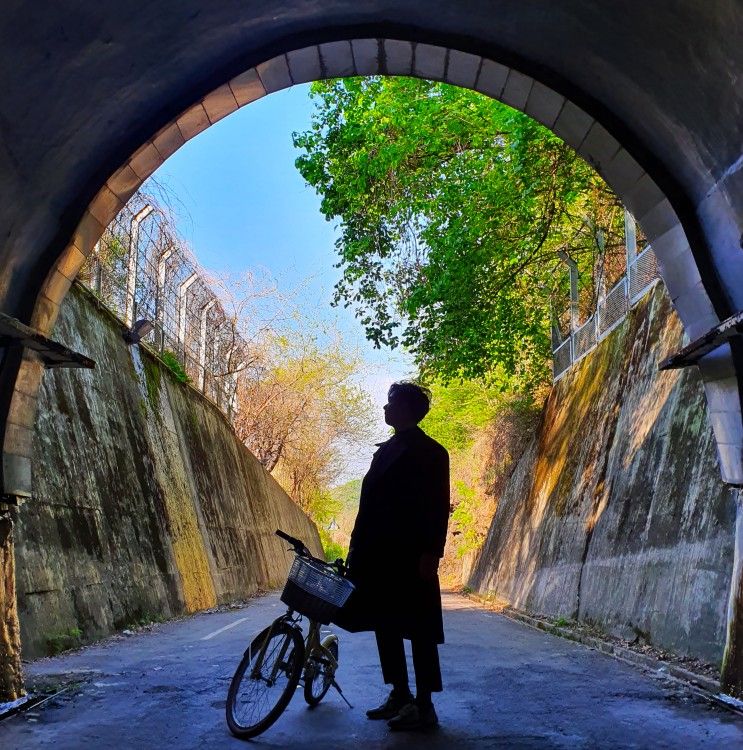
395 669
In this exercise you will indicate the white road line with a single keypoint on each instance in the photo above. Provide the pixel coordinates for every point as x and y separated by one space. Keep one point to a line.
221 630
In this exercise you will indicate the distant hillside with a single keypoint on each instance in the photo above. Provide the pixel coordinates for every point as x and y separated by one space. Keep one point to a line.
347 496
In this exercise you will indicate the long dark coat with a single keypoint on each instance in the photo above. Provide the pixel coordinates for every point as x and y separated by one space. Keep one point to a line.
403 513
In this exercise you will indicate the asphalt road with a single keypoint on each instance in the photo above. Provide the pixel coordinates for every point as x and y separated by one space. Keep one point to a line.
506 686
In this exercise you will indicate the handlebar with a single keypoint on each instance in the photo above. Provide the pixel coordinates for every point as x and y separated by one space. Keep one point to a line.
301 550
298 545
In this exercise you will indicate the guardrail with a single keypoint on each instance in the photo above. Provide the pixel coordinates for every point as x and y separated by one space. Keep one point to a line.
642 273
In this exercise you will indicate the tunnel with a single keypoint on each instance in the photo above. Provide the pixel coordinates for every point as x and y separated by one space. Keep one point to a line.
98 97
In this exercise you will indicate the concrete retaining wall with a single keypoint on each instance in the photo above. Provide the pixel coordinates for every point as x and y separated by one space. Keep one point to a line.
616 513
146 504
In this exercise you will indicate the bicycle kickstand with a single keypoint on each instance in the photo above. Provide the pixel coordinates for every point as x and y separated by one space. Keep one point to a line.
340 692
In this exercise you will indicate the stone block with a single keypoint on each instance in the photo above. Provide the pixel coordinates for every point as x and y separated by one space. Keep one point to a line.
23 409
727 426
659 220
696 311
492 78
516 90
718 364
462 69
679 272
304 65
598 147
274 74
429 62
124 183
622 172
366 56
731 462
169 140
145 161
670 244
644 196
70 262
192 122
336 60
87 233
544 104
56 286
16 475
29 378
45 314
19 439
220 103
722 394
398 56
572 124
105 206
247 87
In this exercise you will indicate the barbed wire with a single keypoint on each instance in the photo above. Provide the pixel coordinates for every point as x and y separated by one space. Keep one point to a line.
141 269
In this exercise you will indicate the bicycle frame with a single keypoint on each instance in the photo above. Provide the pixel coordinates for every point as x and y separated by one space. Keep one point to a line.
312 645
293 620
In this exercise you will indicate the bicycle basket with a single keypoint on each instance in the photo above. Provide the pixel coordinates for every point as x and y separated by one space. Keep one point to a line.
315 591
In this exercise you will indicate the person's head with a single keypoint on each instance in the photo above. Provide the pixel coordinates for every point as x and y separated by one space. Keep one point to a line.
407 403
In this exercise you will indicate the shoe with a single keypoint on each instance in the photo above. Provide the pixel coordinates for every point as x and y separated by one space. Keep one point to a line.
391 707
412 717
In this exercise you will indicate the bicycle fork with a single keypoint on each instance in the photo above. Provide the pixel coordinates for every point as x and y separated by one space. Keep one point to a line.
279 663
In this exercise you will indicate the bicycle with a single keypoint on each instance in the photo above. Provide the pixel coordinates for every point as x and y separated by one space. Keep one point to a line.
279 657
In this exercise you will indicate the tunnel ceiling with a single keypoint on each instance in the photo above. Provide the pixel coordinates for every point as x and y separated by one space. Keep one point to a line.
86 83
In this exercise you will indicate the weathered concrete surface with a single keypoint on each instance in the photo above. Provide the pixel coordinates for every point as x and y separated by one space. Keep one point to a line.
616 513
11 681
146 504
506 686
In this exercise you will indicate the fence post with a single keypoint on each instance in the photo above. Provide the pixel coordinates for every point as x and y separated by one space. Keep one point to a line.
182 310
202 341
232 397
160 291
97 269
573 269
131 272
630 238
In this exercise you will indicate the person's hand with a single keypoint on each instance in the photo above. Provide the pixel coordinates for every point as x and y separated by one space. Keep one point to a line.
428 566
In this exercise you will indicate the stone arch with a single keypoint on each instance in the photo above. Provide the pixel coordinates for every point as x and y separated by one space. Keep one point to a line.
589 136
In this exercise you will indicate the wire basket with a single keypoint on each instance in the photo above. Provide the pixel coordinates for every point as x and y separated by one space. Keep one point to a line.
314 590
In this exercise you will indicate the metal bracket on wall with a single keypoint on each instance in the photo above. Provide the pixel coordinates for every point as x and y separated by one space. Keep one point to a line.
13 333
717 336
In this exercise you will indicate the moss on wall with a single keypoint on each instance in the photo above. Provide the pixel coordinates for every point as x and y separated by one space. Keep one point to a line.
616 513
146 503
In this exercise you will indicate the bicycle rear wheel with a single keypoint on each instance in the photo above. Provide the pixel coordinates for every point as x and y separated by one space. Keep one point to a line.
265 680
321 666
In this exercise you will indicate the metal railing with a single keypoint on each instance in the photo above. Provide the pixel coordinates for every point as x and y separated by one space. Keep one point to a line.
141 270
642 273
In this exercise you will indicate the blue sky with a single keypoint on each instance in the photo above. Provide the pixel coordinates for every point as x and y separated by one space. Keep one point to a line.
244 205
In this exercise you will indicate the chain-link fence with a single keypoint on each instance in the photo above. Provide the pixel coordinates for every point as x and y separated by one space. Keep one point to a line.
642 273
142 271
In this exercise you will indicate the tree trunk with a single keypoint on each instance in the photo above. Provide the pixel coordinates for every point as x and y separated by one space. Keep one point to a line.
732 661
11 678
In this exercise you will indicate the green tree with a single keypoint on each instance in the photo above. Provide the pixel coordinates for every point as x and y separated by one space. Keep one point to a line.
452 210
298 410
485 431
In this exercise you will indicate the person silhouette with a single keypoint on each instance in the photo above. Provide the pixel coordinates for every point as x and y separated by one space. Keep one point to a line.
396 544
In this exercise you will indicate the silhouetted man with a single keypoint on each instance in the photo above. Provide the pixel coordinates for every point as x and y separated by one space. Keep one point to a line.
396 544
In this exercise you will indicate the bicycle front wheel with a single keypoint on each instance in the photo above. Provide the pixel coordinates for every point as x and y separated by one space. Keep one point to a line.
321 666
265 680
